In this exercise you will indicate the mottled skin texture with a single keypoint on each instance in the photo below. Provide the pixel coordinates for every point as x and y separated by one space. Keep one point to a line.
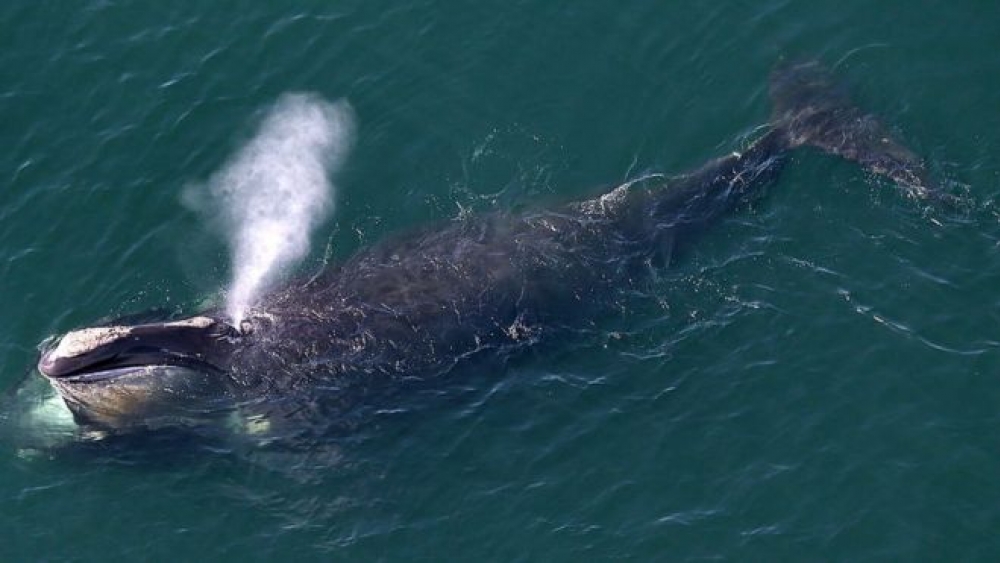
414 306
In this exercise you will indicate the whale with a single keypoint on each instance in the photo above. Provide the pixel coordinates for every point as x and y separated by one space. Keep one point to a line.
418 305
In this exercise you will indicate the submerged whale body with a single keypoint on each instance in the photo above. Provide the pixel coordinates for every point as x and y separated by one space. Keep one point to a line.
413 307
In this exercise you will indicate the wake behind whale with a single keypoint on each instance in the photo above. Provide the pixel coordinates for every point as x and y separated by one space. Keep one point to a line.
414 307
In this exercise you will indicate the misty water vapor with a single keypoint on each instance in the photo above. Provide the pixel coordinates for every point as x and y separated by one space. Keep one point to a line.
276 190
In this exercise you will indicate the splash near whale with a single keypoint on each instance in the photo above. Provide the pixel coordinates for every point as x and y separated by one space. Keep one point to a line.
414 307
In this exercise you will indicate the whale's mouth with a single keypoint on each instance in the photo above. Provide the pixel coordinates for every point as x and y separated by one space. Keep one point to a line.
129 363
122 376
101 353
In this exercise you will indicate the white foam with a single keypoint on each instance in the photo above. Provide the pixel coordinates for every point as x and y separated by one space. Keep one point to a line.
276 190
51 411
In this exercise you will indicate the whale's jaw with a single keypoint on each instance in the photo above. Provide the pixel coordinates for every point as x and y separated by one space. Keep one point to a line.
127 375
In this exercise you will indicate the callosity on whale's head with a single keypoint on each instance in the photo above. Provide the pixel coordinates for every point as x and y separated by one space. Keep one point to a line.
122 375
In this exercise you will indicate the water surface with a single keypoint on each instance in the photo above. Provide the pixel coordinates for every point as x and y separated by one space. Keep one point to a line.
816 381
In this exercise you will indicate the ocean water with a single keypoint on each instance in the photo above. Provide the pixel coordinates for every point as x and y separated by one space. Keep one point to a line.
818 380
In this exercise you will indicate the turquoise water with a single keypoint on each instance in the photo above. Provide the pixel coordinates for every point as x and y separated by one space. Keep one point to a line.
816 381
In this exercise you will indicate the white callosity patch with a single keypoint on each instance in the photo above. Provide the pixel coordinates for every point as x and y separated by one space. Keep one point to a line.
276 190
193 322
84 340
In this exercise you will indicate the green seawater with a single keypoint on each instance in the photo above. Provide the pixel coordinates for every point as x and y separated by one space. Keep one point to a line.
819 380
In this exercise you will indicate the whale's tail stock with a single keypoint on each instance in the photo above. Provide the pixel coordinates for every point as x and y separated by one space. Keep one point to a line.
811 108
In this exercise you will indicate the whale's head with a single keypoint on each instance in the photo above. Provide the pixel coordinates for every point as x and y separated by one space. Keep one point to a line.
122 375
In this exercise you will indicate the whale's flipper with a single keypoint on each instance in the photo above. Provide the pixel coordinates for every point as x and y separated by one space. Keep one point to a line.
812 109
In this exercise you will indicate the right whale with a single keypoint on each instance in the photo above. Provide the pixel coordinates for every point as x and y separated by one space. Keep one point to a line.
414 306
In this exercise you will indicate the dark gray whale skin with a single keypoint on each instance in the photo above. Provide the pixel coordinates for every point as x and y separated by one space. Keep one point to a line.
414 306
